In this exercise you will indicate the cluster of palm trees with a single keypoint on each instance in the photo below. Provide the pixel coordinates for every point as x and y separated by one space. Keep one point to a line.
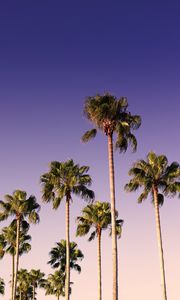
64 181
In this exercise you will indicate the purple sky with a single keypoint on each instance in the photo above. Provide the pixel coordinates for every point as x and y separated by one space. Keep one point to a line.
52 55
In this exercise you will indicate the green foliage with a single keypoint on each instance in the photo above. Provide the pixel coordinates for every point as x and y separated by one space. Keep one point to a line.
97 216
8 239
65 179
24 288
55 284
58 256
110 115
29 281
19 206
155 173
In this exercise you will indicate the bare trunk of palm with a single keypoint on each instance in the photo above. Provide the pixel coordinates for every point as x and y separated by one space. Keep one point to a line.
159 239
99 266
12 283
33 292
17 258
67 252
113 217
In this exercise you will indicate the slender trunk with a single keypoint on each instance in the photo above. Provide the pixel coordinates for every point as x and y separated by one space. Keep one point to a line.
99 266
12 283
159 239
113 217
67 283
20 295
17 258
33 292
58 297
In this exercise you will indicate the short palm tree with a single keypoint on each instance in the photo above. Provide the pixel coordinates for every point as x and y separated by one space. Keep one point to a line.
62 181
36 280
98 217
58 256
55 284
19 206
24 288
9 236
111 116
2 286
155 175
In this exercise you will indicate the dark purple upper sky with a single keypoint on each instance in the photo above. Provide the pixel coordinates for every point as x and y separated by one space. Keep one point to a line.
54 53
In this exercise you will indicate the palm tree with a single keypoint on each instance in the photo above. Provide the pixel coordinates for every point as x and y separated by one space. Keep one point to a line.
2 286
110 115
62 181
24 288
98 217
155 175
9 236
58 256
21 207
55 284
36 280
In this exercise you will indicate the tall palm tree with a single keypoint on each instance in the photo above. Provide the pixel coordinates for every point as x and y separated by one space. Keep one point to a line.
155 175
2 286
98 217
111 116
62 181
55 284
20 207
9 236
58 256
36 280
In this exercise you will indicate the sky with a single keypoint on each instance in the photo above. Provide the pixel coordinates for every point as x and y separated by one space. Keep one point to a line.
53 54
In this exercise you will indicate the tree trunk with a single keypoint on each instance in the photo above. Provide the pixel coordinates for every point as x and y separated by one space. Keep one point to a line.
67 283
113 217
20 295
99 266
17 258
58 297
33 292
12 283
159 239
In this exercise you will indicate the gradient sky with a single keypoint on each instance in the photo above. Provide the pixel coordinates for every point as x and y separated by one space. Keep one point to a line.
52 55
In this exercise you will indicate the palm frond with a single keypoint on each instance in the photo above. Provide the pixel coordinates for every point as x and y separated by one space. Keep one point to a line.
89 135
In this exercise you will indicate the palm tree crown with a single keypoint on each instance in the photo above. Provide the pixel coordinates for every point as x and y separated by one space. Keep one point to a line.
110 115
64 179
97 215
55 284
155 173
20 206
58 256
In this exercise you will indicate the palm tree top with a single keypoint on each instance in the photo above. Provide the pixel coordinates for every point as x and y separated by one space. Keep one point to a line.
63 180
155 173
20 206
55 284
97 215
110 114
58 256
